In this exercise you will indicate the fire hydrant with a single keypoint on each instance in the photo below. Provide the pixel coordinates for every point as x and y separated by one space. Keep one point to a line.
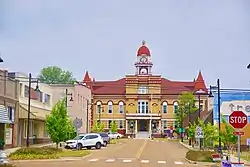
3 158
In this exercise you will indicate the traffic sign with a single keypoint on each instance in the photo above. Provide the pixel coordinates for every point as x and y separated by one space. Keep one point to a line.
238 119
238 133
77 123
199 132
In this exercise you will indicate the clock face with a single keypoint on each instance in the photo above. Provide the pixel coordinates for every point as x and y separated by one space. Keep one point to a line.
143 71
143 59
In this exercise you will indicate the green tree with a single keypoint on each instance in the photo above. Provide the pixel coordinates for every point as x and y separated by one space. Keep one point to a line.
57 123
98 127
227 136
113 127
191 131
186 104
71 130
55 75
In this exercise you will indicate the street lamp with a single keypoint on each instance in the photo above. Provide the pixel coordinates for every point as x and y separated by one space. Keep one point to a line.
248 66
29 100
1 60
66 97
218 105
100 110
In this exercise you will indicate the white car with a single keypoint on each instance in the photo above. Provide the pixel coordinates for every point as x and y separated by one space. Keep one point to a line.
114 135
85 141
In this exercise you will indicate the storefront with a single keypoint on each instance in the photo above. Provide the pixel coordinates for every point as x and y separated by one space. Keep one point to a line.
6 126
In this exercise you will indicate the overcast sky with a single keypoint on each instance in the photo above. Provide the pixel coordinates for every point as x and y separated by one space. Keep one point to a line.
184 36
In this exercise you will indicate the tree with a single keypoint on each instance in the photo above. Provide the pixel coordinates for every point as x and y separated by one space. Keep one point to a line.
98 127
227 136
113 127
55 75
186 104
191 132
57 123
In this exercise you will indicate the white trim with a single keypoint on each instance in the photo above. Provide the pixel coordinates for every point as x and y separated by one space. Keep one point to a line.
142 114
110 119
168 119
148 118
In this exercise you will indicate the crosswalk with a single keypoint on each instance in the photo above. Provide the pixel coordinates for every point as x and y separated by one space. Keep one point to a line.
127 160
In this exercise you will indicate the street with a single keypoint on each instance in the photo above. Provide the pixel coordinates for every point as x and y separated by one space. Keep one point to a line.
130 152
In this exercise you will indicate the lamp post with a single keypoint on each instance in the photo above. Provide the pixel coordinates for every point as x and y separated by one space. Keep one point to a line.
199 93
99 113
218 106
1 60
29 101
87 117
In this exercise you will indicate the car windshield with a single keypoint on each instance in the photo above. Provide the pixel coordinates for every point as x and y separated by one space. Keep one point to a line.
78 137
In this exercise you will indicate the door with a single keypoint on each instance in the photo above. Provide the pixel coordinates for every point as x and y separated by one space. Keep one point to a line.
143 125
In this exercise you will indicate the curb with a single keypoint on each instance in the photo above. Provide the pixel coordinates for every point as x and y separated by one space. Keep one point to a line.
62 159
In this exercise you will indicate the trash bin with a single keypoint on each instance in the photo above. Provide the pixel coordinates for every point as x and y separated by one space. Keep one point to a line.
34 139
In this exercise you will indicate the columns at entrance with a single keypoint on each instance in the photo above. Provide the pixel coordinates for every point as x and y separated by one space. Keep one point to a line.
136 126
126 126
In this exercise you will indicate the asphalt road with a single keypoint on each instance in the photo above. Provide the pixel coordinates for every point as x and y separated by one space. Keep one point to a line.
136 153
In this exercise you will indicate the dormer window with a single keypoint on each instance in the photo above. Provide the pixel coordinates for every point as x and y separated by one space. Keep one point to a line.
143 90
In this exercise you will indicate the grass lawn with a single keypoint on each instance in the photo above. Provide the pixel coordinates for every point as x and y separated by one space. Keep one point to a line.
244 155
74 153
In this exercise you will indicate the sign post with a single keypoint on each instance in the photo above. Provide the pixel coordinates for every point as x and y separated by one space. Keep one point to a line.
199 134
238 120
77 124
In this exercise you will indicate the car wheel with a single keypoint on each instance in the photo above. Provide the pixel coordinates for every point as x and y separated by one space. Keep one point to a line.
105 144
98 145
118 137
79 146
88 147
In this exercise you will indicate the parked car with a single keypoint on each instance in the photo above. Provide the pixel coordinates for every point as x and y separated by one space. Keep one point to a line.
85 141
114 135
106 139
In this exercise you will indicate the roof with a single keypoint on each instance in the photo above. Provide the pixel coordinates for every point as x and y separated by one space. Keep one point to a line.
118 87
143 50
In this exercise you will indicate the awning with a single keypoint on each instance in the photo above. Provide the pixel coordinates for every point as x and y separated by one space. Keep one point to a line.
35 112
4 115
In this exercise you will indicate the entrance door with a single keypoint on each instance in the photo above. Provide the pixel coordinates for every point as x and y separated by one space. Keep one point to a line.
143 125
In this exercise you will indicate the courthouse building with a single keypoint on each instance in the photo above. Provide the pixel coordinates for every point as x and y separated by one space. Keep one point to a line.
143 102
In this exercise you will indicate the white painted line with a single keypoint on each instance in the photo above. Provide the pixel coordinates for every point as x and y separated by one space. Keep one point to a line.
144 161
110 160
93 160
161 162
178 163
127 160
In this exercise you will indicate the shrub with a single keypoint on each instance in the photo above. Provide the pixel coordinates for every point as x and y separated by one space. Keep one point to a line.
200 156
35 153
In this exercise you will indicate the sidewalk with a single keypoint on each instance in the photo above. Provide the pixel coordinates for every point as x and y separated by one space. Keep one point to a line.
11 150
232 157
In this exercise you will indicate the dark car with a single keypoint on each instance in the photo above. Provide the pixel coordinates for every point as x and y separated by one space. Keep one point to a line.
106 139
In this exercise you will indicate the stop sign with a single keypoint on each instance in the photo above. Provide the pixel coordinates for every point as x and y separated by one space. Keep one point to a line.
238 119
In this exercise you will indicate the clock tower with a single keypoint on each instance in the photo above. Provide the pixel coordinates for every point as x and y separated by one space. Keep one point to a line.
143 64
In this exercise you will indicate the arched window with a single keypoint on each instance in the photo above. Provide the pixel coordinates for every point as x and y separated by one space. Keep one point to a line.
110 107
121 107
175 107
164 107
98 107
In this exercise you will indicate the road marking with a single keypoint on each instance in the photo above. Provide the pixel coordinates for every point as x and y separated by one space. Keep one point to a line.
127 160
93 160
110 160
144 161
178 163
161 162
139 153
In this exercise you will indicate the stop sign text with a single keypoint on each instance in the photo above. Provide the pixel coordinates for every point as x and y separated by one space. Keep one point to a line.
238 119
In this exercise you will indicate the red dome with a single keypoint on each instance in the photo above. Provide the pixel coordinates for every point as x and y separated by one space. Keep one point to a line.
143 50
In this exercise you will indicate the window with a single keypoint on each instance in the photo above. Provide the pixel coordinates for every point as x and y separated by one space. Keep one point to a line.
104 135
110 107
21 89
164 124
109 123
98 107
121 124
143 90
11 113
121 107
142 107
175 107
26 91
164 107
46 98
